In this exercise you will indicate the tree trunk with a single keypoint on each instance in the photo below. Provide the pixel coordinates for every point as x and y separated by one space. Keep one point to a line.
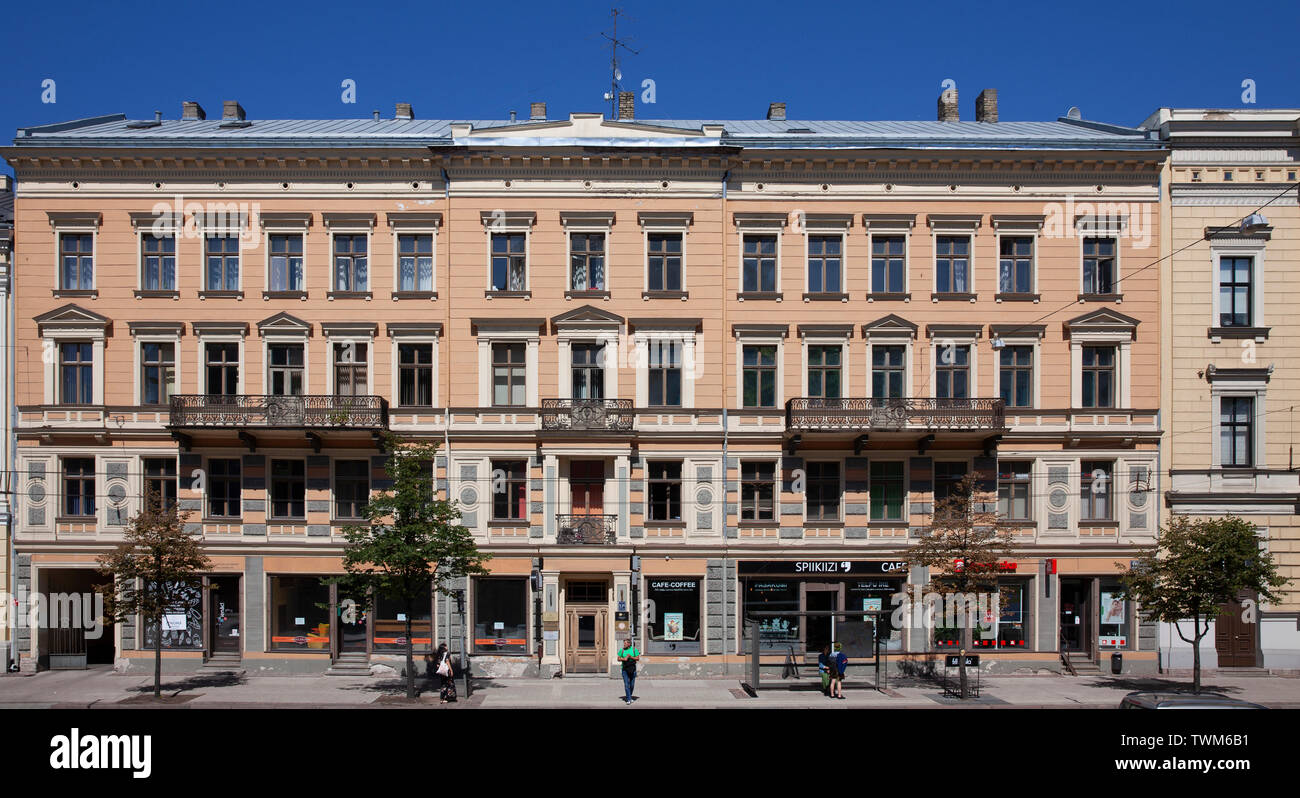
410 654
157 658
1196 654
961 670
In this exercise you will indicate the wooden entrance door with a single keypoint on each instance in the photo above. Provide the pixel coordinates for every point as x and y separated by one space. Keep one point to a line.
226 631
586 644
587 487
1234 639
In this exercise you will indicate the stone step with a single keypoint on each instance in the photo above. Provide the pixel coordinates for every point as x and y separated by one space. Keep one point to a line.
1242 671
350 665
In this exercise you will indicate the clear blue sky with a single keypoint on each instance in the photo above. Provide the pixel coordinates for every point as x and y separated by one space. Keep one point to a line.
1117 61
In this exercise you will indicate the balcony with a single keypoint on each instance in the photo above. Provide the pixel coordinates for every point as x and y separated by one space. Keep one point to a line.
894 415
593 529
279 412
587 415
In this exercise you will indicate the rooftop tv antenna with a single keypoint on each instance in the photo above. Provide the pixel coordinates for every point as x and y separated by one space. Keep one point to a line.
614 73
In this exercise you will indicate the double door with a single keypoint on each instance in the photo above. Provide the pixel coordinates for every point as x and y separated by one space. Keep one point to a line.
1234 639
586 638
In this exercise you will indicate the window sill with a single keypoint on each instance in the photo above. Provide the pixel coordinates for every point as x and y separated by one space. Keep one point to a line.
146 294
91 293
664 295
760 295
220 520
75 519
571 294
1098 524
889 296
1101 297
508 294
1216 334
939 296
511 522
823 524
758 524
1017 297
897 523
268 295
669 524
825 297
302 520
414 295
221 295
333 295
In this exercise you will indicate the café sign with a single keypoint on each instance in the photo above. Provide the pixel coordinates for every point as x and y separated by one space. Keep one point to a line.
823 567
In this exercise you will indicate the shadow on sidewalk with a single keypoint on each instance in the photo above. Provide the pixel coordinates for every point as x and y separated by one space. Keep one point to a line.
223 679
1151 684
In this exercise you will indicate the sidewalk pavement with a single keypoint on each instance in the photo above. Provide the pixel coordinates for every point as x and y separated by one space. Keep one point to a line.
102 688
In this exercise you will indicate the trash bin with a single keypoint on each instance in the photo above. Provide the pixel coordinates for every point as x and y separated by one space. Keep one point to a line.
1116 663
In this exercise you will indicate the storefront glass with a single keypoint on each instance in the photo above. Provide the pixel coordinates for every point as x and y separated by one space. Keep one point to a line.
300 615
1006 627
673 616
501 616
182 624
1112 628
389 629
775 633
872 595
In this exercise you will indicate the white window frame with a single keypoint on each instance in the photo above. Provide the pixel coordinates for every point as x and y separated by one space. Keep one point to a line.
889 226
1123 343
397 337
609 356
205 337
905 338
1103 227
53 335
202 230
667 223
759 224
777 462
956 225
1036 388
144 226
686 483
75 224
415 226
827 339
1018 227
285 338
1243 248
285 227
139 339
587 222
744 339
347 227
970 340
498 221
531 338
641 341
332 336
1256 389
828 226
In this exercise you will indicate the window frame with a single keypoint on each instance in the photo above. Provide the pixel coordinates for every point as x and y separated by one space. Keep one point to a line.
356 262
999 368
823 369
938 369
1085 369
225 255
824 235
824 482
416 367
1084 289
143 256
670 223
758 481
143 365
288 235
1223 424
668 482
588 255
272 480
511 366
758 257
761 370
872 479
168 464
270 345
513 481
62 253
214 478
337 498
650 236
1013 481
80 365
1030 262
884 237
1088 505
85 479
969 237
208 364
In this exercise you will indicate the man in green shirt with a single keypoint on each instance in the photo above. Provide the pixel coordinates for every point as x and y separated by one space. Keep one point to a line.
628 655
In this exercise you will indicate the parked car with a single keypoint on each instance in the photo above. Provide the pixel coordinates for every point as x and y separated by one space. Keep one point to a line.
1184 701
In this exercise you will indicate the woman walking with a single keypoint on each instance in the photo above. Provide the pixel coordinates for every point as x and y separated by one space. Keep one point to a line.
447 692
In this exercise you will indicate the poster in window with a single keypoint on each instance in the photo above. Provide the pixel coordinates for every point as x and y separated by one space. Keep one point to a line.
1113 608
870 604
673 625
174 622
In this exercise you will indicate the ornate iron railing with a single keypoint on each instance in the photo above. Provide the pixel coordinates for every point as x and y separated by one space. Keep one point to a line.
199 410
597 415
598 529
812 413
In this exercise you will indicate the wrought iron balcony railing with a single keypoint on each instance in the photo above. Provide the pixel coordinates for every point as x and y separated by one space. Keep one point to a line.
356 412
597 529
813 413
596 415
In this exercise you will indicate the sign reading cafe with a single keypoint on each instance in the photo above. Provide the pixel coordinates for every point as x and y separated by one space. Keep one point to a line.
819 567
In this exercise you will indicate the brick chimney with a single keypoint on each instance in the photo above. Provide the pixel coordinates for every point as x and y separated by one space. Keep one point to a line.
776 112
627 105
948 106
192 111
404 111
537 111
986 106
232 111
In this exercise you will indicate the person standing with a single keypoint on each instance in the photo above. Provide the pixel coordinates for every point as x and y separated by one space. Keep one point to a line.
447 692
839 663
824 669
628 655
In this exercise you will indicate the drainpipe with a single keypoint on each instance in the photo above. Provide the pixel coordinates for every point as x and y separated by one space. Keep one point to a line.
446 453
725 669
10 437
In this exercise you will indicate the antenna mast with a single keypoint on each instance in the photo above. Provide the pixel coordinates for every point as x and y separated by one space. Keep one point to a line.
614 75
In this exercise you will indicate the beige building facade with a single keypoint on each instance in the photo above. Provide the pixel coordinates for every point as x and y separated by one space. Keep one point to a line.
687 375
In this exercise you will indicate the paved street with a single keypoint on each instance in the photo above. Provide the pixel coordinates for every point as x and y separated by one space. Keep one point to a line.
101 688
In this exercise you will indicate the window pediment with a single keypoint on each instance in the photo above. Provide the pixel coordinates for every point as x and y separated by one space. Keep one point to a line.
1102 322
284 324
71 318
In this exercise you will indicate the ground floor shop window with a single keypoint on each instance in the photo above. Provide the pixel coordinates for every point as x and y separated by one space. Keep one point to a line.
673 616
501 616
182 623
871 596
1112 629
775 632
858 599
1006 626
300 613
390 624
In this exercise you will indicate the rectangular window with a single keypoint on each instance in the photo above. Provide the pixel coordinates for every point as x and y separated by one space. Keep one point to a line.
1237 431
664 486
664 373
350 270
1099 265
415 262
186 614
1016 375
351 368
351 488
1098 376
415 374
509 262
947 476
388 632
300 613
759 376
952 264
289 489
757 491
886 491
952 374
674 626
1095 488
1011 630
824 371
888 371
157 373
79 487
1112 621
758 267
887 265
76 253
1013 490
222 362
588 373
158 262
509 490
1016 265
824 274
508 375
160 480
664 267
587 261
286 263
1235 292
224 488
501 616
76 373
222 257
286 370
823 492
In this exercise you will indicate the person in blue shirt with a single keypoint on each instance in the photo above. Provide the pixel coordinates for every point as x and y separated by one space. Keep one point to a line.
824 669
839 663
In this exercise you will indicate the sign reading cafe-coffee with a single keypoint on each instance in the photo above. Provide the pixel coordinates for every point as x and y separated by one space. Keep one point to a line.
818 567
